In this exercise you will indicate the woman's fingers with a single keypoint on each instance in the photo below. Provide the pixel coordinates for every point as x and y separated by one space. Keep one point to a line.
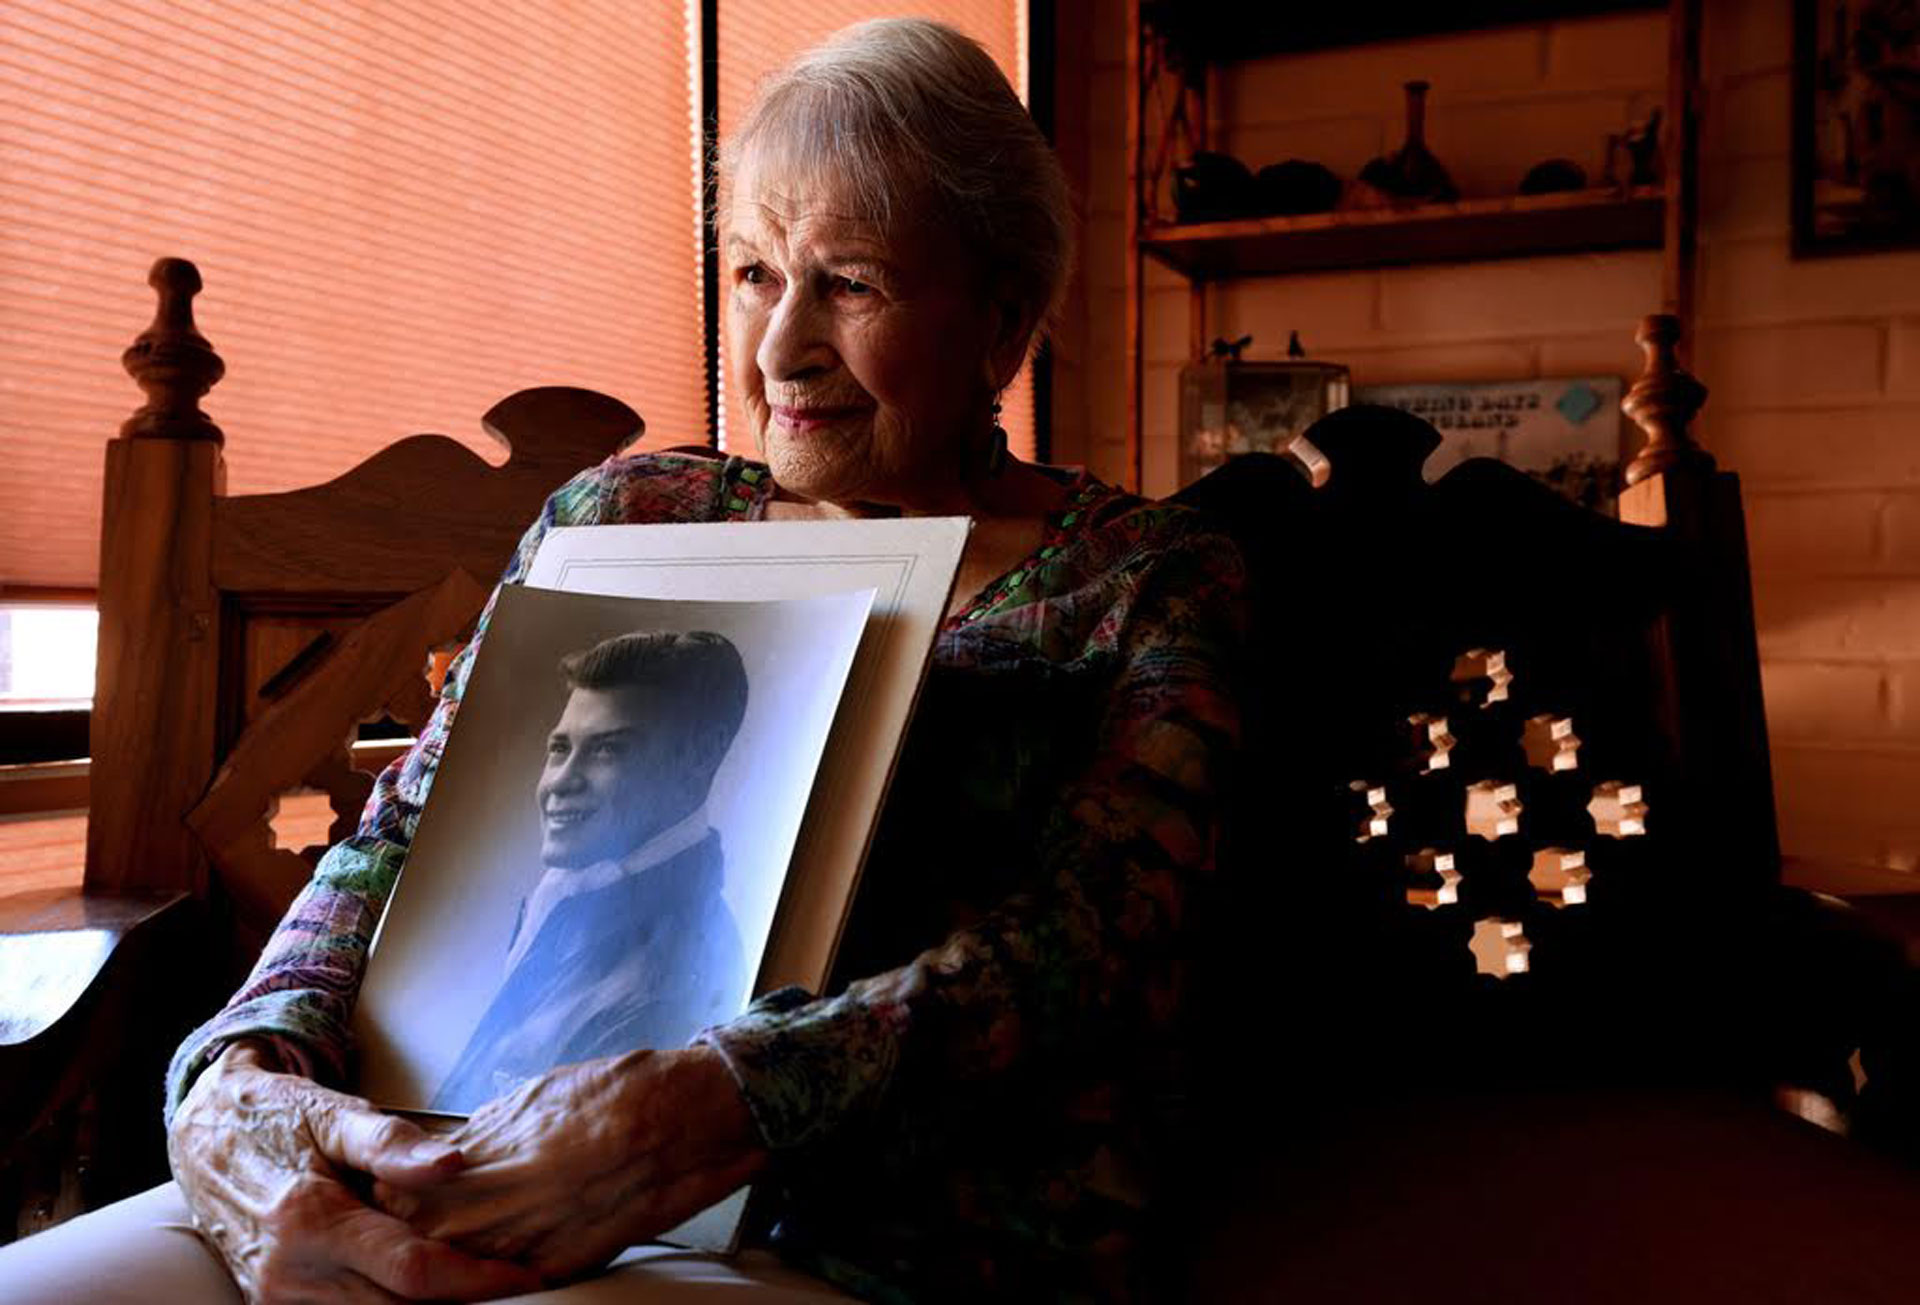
266 1159
447 1213
393 1257
400 1202
394 1150
315 1242
486 1219
585 1160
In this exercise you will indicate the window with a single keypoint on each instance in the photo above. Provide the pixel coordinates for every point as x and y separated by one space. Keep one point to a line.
402 212
46 681
46 656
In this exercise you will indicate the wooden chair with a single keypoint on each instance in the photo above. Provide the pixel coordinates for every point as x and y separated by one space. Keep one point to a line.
1469 666
242 641
1503 951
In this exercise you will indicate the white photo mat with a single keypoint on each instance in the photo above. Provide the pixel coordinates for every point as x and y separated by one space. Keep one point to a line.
911 564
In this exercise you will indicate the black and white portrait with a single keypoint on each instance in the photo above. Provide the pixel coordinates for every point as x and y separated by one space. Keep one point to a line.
599 862
626 940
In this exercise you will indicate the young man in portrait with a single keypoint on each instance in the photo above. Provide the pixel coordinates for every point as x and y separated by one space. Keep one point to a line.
626 941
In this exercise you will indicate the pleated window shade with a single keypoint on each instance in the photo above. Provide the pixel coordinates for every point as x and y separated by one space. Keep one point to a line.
757 36
403 212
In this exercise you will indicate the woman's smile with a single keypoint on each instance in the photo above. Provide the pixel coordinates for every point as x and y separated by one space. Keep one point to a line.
801 420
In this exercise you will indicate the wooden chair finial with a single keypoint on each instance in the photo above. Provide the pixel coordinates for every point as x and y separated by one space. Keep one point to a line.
172 362
1663 403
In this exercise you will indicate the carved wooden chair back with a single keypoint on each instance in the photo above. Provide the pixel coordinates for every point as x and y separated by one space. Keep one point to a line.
1507 754
243 638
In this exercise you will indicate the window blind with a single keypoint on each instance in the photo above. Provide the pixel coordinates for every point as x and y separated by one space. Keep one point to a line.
403 212
757 36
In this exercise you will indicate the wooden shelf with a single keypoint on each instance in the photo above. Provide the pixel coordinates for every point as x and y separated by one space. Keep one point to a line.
1216 32
1508 227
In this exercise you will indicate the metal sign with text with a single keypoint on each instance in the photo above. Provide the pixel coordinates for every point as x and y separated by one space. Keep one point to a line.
1562 430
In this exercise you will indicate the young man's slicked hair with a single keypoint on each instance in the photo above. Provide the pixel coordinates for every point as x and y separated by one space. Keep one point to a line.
698 672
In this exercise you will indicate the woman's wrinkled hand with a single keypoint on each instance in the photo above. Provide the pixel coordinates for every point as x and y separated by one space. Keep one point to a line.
581 1163
270 1164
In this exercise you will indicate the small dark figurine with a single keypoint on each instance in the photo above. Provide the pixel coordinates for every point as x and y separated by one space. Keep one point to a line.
1552 177
1213 188
1643 151
1229 349
1297 186
1411 175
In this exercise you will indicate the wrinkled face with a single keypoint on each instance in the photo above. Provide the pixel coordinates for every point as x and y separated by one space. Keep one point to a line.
865 357
609 767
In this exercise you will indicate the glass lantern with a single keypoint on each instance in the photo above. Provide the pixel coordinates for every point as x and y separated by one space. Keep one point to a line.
1229 407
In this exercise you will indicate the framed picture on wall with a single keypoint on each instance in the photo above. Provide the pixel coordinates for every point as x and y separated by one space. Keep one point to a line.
1856 126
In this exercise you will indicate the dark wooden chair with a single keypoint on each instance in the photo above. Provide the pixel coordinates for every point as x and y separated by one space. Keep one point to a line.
243 639
1504 985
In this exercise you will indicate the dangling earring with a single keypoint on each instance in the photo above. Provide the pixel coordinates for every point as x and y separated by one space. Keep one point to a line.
997 446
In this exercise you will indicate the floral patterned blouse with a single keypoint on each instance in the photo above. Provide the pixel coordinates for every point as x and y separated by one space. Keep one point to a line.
990 1091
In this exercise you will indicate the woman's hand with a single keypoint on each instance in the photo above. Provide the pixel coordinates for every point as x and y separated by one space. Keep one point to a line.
581 1163
268 1163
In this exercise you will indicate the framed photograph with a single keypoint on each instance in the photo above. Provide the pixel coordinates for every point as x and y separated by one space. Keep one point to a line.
597 868
804 608
1231 407
1856 126
518 871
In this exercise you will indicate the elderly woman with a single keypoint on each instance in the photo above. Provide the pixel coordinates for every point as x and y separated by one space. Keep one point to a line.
985 1101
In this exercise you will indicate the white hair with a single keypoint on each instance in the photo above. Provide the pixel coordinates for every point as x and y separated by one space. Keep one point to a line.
906 118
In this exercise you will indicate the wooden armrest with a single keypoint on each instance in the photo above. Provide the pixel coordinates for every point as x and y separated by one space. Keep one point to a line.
54 943
1875 906
1846 879
95 991
84 977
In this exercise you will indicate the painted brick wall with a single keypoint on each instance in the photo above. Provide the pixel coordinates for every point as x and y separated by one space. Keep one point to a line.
1814 365
1815 369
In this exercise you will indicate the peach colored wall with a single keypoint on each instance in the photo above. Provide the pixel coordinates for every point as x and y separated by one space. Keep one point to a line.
1814 366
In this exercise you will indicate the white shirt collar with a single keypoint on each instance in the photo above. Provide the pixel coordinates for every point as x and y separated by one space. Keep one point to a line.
561 882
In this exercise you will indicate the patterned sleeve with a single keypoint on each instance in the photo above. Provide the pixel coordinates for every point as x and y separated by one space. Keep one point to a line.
1095 947
300 995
